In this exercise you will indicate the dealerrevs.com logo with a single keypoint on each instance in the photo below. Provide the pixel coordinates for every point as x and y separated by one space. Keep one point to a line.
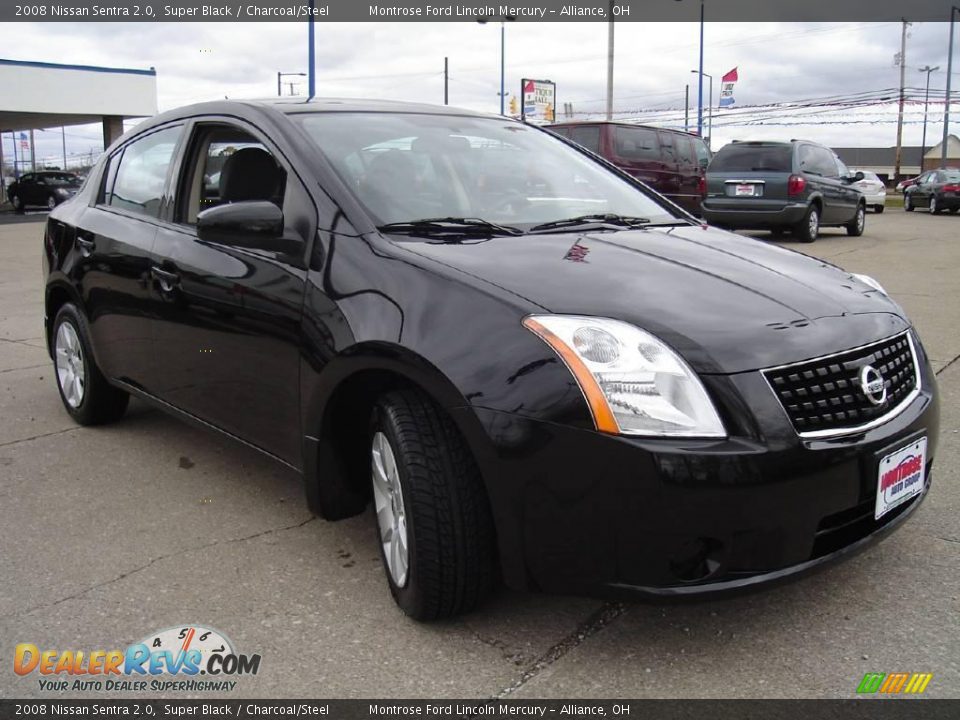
188 658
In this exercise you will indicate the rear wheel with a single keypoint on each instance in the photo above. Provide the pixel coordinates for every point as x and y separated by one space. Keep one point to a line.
855 227
51 202
17 203
878 209
907 203
934 206
86 394
433 519
808 228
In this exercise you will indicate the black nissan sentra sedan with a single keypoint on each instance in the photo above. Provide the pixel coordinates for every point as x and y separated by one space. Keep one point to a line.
533 366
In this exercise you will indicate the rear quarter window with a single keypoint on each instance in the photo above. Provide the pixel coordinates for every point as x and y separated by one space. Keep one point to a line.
637 143
753 158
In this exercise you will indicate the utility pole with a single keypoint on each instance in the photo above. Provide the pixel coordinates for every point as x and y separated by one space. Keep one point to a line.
33 153
446 81
610 65
926 101
311 56
63 139
686 109
946 106
902 59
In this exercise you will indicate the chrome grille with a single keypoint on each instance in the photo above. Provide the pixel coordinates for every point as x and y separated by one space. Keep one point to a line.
824 396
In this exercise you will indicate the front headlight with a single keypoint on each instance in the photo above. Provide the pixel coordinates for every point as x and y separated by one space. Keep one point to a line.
633 382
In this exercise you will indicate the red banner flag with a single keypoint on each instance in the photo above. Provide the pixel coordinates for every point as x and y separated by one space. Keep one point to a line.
730 76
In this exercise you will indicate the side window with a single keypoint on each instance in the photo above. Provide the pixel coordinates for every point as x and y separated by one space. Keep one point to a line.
637 143
827 162
703 155
142 172
228 164
109 177
587 136
26 178
684 150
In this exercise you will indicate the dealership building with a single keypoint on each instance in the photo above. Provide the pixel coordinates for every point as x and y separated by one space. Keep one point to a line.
41 95
882 161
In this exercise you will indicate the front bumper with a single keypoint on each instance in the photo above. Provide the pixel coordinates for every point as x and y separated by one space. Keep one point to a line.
580 512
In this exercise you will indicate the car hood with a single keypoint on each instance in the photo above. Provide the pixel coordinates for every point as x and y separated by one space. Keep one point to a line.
727 303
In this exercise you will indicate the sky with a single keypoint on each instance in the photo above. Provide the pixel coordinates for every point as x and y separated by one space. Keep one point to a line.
653 62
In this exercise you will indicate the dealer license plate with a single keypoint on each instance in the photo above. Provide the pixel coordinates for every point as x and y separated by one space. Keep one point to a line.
745 190
901 476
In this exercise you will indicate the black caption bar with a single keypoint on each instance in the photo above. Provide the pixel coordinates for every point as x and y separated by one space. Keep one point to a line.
471 10
914 709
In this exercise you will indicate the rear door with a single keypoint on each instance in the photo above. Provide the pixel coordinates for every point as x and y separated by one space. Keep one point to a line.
688 171
920 192
27 189
114 239
638 151
229 338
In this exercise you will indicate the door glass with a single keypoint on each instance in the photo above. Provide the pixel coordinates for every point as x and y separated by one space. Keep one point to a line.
143 172
636 143
684 150
587 136
230 165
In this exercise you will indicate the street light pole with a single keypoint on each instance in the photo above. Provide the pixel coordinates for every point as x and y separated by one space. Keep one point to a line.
926 101
700 82
709 137
946 107
610 65
503 53
311 56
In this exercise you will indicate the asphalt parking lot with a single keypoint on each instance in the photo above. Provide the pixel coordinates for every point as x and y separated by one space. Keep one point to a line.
108 534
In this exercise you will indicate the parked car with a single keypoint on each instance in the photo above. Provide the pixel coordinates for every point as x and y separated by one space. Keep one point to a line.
44 189
795 186
672 162
873 189
533 366
904 184
937 190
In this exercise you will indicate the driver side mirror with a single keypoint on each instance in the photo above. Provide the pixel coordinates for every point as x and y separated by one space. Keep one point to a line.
255 224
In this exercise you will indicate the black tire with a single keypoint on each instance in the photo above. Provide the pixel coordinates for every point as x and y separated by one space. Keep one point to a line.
451 545
934 207
907 202
878 209
953 211
806 230
17 203
856 226
101 402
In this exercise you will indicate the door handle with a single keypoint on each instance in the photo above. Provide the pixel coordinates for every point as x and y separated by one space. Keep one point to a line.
168 281
85 245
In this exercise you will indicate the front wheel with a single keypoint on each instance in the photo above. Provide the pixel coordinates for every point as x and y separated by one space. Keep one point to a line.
807 229
878 209
855 227
51 202
433 518
17 203
86 394
907 203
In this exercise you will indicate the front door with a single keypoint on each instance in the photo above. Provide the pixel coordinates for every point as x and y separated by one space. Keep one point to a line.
228 340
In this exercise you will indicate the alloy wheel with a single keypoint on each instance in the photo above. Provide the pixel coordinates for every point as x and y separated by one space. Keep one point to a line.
70 370
16 202
51 202
933 206
861 219
813 223
388 503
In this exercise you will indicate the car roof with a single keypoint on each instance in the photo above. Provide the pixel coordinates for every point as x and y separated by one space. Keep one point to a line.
620 123
294 105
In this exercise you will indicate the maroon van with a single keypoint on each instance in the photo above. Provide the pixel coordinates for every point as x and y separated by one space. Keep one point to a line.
672 162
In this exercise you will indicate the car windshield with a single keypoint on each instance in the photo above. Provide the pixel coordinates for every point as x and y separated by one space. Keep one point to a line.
60 179
744 157
405 167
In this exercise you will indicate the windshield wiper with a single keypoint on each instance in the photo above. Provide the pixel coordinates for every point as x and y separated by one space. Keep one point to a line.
450 227
597 221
